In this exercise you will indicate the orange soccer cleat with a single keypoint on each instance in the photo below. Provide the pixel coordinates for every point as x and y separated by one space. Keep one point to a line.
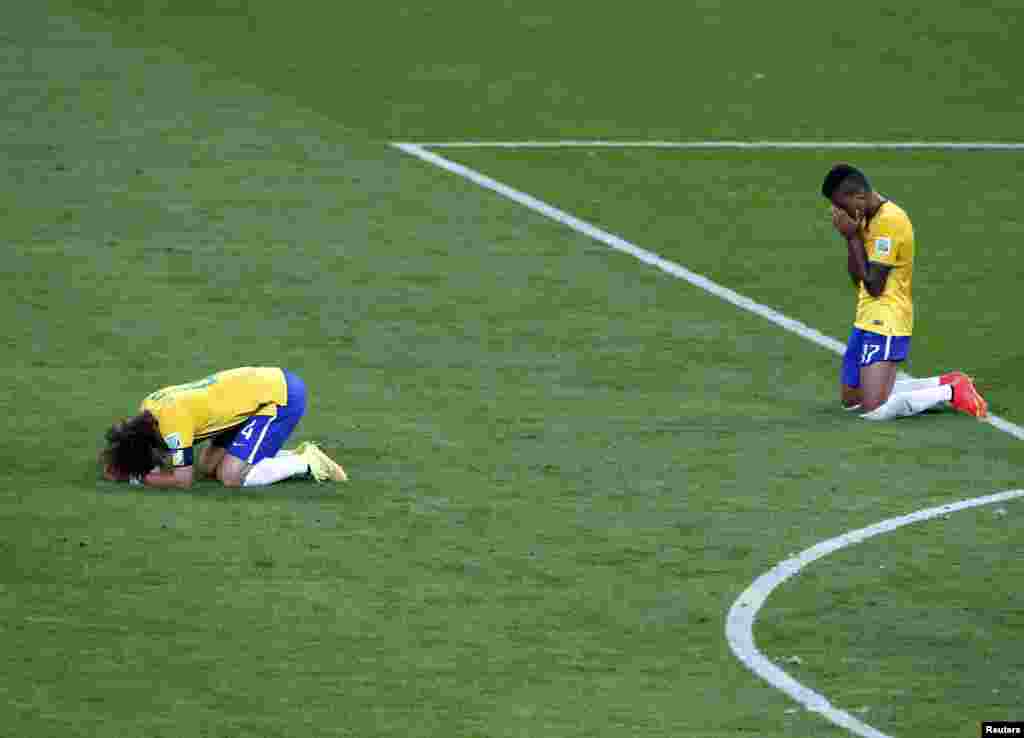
966 397
951 377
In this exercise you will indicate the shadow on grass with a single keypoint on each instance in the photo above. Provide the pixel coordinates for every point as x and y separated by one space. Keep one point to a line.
289 489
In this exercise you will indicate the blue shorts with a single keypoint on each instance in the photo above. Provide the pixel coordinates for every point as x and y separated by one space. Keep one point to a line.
262 436
866 348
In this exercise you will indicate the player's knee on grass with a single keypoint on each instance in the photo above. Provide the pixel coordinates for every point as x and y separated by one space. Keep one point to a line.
874 397
850 397
870 405
232 471
876 383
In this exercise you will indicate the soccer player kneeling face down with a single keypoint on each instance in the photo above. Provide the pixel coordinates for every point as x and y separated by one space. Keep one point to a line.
247 414
880 260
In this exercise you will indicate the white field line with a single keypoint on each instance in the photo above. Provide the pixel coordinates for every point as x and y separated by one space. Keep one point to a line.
740 620
763 145
648 257
739 624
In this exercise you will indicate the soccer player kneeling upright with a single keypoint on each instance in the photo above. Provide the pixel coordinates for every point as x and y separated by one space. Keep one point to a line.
247 414
880 259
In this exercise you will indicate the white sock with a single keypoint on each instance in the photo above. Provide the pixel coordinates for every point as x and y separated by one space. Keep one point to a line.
912 385
275 469
910 403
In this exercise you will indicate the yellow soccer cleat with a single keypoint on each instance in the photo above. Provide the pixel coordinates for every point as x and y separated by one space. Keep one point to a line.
321 466
297 451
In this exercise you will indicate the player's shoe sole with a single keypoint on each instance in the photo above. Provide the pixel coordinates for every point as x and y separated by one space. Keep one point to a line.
322 466
966 397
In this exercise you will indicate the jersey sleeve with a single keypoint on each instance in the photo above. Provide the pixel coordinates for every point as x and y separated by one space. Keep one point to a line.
178 434
887 244
883 249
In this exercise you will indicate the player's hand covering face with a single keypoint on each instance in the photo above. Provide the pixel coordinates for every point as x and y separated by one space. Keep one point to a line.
844 223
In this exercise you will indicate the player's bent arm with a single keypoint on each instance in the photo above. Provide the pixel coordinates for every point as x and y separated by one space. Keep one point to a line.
178 478
877 276
857 259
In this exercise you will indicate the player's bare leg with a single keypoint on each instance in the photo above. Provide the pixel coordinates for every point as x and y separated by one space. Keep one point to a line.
876 383
232 471
209 459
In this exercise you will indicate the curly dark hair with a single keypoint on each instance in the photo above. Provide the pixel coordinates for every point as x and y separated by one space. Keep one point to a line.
135 446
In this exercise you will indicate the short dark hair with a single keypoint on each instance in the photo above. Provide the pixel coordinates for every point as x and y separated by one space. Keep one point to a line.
135 446
844 178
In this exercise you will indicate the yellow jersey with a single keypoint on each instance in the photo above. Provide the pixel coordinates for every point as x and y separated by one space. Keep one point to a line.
188 413
889 240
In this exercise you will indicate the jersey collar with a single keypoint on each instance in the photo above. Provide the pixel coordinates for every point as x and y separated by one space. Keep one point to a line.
867 221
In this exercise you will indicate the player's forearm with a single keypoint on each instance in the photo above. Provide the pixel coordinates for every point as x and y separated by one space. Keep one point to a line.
164 479
857 259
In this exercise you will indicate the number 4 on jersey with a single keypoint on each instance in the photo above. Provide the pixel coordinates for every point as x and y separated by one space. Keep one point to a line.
247 431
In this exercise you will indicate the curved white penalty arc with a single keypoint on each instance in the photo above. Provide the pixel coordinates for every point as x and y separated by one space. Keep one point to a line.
739 626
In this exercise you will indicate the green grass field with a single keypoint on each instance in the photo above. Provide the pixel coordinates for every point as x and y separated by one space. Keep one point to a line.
565 464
